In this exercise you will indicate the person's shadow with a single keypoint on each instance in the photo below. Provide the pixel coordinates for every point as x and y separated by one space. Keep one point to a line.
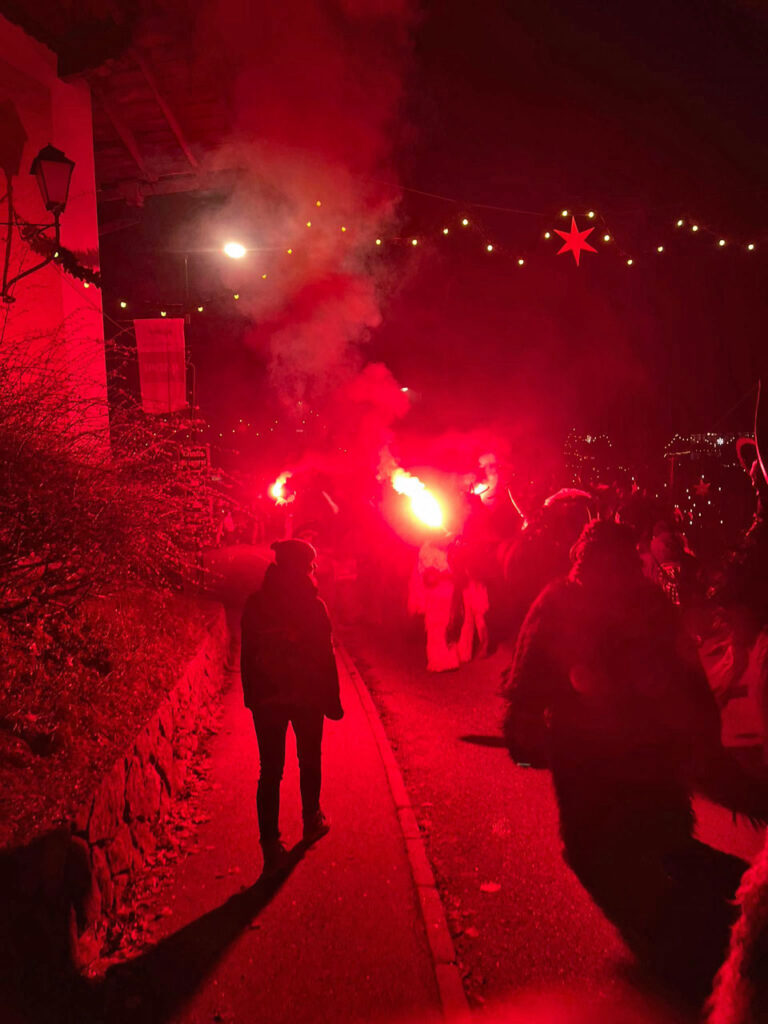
154 985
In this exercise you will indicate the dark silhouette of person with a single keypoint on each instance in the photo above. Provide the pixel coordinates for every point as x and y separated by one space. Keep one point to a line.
289 675
606 688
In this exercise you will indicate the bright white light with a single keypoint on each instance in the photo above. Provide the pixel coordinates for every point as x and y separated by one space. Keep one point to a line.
235 250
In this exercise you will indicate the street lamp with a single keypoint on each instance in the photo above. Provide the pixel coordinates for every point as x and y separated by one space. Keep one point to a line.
53 171
235 250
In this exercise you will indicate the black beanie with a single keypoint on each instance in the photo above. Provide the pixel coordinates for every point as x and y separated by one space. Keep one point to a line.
294 554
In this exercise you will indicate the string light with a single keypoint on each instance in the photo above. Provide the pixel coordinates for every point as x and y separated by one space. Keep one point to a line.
56 254
236 250
86 285
163 313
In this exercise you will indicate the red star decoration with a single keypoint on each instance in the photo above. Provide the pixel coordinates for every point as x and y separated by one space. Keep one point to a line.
702 487
575 241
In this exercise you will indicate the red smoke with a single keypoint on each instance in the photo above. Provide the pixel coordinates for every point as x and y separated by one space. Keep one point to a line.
316 90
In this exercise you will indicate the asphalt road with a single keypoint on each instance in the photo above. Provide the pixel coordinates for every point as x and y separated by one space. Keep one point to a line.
520 919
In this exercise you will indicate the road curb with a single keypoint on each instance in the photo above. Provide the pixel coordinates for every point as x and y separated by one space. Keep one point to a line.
453 999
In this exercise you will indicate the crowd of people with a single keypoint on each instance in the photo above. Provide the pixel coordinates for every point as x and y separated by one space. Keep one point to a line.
624 647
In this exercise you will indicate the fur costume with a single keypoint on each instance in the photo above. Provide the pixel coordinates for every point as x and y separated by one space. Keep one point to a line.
605 688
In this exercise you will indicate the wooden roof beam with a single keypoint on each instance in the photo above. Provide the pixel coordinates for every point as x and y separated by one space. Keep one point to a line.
124 133
170 117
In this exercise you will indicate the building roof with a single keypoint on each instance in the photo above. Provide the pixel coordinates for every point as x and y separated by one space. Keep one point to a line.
157 110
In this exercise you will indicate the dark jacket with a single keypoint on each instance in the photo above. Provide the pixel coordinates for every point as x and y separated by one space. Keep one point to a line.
613 677
287 656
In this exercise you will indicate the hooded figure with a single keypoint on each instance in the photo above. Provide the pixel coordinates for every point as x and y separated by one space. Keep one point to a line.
289 674
606 689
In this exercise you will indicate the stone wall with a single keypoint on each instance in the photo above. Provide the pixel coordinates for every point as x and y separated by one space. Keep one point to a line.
114 831
61 892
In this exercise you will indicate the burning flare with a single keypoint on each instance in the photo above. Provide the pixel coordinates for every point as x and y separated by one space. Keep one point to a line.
278 492
424 505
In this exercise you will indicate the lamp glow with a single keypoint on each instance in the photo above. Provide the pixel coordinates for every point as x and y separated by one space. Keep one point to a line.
234 250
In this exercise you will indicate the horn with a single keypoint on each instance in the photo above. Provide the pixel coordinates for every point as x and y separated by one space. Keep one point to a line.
761 431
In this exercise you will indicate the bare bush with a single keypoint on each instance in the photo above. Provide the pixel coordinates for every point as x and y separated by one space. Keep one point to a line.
82 512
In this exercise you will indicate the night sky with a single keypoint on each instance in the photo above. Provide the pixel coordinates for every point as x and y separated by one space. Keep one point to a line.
642 113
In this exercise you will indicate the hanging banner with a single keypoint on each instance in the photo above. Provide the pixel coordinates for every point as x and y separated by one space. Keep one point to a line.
162 364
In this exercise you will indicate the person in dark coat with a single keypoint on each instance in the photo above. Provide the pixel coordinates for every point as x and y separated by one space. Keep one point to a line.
289 675
607 690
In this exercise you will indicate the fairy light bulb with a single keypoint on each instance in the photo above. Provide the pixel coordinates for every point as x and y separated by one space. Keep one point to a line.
86 284
694 227
163 313
606 238
263 277
563 213
343 228
289 251
123 304
521 262
680 222
445 231
236 296
547 234
659 248
465 222
318 203
309 223
721 242
489 248
591 214
751 246
630 262
199 309
378 241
